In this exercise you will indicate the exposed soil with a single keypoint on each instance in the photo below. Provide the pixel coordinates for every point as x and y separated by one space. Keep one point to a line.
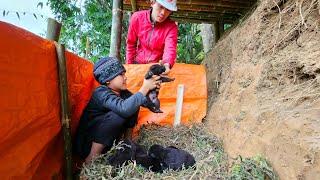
264 87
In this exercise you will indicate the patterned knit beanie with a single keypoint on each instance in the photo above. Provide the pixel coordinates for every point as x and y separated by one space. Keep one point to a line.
107 68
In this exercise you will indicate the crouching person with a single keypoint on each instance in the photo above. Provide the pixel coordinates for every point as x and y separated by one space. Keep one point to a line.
111 111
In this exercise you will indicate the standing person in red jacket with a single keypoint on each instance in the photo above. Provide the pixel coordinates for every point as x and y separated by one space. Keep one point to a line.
152 36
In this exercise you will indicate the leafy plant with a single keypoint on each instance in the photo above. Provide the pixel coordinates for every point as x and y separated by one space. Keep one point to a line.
190 49
90 20
252 168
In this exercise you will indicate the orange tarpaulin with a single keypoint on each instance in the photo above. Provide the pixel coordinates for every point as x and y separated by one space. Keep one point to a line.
195 94
30 131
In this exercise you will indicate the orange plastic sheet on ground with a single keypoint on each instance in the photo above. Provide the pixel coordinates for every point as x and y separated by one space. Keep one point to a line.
31 145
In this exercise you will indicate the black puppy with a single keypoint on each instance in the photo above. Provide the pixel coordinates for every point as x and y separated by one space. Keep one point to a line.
153 103
129 151
148 162
171 157
122 154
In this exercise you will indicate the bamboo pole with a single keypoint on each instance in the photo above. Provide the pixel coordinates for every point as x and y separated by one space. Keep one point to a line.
115 44
87 47
53 33
65 117
134 5
53 30
206 3
197 21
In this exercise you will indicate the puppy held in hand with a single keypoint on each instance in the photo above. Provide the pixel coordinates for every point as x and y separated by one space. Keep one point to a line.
153 102
171 157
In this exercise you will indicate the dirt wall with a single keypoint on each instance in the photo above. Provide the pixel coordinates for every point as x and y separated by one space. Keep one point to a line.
264 83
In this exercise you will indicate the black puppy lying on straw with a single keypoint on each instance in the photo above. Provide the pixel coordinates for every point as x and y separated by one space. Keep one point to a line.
171 157
157 159
129 151
153 102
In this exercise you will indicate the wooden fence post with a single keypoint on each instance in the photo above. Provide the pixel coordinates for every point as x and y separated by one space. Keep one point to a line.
115 44
53 30
134 5
53 33
179 103
65 115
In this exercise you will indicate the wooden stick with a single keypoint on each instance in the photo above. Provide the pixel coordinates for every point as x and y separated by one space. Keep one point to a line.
198 20
179 103
216 31
208 3
53 33
134 5
115 45
65 117
53 30
221 27
87 47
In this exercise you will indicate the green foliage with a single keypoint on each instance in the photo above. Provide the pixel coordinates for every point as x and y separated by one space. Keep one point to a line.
93 20
252 168
190 49
227 26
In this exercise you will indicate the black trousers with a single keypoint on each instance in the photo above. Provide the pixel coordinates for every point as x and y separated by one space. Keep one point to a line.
104 130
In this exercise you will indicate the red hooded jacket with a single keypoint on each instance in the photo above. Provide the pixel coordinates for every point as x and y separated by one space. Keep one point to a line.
148 42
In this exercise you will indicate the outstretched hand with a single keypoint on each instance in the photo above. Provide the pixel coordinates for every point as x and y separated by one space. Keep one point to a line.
167 66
